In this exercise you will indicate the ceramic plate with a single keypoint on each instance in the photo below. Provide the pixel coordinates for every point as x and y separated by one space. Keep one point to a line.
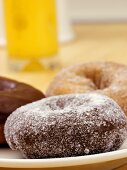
109 160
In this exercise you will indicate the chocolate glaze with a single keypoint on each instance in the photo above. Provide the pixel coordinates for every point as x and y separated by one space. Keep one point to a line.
14 94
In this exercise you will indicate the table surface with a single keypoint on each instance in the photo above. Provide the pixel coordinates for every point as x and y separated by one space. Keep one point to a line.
98 42
93 42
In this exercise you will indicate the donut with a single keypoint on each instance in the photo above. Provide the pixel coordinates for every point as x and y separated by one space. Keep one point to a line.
106 78
14 94
66 126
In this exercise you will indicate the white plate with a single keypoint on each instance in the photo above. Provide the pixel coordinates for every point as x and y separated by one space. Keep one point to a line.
110 160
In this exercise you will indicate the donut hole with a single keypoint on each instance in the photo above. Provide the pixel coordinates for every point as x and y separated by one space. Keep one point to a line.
7 85
99 83
63 103
97 78
94 76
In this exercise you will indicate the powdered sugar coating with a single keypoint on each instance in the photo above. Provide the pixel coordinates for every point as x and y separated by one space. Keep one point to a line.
106 78
67 125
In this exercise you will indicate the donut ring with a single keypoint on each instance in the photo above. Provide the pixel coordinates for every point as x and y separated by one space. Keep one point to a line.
14 94
67 125
103 77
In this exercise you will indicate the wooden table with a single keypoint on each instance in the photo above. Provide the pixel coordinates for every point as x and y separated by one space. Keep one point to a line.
97 42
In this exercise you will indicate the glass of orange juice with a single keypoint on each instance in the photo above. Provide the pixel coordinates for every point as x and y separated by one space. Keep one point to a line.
31 32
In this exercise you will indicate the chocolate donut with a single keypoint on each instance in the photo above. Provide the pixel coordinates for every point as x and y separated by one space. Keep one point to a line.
14 94
65 126
103 77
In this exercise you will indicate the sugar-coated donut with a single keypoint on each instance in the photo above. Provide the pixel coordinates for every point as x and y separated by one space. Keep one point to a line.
103 77
14 94
67 125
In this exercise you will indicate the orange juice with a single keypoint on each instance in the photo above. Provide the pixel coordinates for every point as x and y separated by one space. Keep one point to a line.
31 29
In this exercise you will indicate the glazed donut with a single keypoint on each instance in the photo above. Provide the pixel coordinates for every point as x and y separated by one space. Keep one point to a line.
14 94
65 126
103 77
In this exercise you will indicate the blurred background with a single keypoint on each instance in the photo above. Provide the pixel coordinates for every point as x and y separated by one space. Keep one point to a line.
98 10
49 35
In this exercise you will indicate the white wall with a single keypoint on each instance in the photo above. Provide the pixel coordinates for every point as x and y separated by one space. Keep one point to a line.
92 10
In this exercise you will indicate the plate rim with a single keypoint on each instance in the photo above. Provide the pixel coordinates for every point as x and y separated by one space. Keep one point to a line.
63 162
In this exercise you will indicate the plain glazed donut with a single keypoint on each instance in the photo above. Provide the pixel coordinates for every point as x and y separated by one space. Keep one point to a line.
65 126
14 94
103 77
